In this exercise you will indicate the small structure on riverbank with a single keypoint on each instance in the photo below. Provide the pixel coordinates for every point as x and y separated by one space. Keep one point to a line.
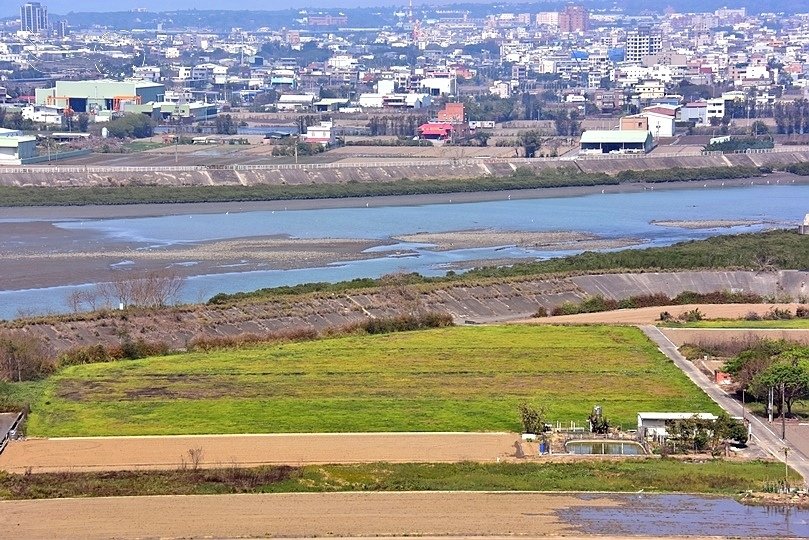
804 227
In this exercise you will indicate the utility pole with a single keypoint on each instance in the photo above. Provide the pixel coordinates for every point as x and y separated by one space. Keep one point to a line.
786 465
783 414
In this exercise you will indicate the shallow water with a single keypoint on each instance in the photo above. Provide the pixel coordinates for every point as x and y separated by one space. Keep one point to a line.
686 515
625 448
620 215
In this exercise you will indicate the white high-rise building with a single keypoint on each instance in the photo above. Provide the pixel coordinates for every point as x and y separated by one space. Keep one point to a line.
33 17
642 42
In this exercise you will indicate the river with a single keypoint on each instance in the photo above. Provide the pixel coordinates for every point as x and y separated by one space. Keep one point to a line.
611 216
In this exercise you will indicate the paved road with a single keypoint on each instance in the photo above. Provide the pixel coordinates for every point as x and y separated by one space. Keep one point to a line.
766 438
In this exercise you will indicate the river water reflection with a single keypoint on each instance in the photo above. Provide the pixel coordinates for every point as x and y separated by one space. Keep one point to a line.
612 216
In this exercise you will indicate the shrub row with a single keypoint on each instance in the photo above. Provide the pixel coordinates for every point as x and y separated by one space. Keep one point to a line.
100 353
801 169
779 314
680 174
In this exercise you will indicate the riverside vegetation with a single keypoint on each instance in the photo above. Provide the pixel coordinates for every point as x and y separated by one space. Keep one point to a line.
522 178
447 379
766 251
627 475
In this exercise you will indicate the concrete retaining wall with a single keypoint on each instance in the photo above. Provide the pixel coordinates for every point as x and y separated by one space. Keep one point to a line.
477 303
423 170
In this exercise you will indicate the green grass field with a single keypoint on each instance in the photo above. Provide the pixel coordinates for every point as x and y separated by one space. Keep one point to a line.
451 379
787 324
651 475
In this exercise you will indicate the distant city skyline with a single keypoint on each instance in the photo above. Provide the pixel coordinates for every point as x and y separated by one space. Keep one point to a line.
66 6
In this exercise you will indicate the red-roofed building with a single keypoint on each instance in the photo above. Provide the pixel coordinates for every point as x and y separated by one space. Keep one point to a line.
436 131
453 113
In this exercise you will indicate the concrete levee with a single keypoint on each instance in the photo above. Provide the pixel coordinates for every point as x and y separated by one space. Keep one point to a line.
614 166
483 302
767 284
336 173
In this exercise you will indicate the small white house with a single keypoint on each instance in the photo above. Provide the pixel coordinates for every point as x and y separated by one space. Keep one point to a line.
653 424
42 115
320 134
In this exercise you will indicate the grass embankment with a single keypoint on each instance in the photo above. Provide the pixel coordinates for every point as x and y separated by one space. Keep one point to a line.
753 251
451 379
521 179
788 324
710 477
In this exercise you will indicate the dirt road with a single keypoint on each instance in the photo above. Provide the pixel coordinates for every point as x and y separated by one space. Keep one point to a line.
128 453
651 315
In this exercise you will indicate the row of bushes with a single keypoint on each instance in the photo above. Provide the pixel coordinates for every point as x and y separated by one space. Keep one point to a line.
779 314
679 174
801 169
598 303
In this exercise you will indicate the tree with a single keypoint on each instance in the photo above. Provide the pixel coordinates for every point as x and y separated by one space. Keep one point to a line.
598 422
532 419
224 125
726 428
693 433
23 357
131 125
83 122
149 289
531 141
483 137
789 375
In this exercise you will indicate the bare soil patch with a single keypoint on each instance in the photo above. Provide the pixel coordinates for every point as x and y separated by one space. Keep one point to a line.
651 315
563 240
294 515
134 453
680 336
707 224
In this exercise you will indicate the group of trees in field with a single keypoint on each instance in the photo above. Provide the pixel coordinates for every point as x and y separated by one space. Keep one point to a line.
398 125
129 126
792 118
779 365
699 434
150 289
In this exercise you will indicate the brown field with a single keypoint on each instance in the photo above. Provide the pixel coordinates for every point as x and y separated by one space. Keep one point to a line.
128 453
680 336
292 515
651 315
